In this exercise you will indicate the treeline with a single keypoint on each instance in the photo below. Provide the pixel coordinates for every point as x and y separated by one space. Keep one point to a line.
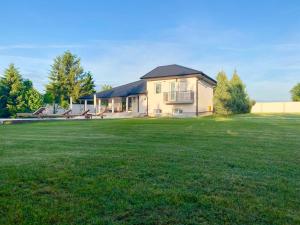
67 79
230 96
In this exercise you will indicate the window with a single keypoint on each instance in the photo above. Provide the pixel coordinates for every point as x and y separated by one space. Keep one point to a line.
177 111
182 85
158 88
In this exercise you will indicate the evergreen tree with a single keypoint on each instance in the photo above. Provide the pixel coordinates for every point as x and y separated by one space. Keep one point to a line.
296 93
33 99
221 94
87 84
13 83
239 101
16 94
67 79
3 99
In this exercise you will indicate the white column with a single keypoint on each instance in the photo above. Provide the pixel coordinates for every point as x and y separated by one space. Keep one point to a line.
95 103
126 104
71 103
112 105
99 105
85 105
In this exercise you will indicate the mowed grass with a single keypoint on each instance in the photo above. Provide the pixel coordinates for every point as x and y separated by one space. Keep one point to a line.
235 170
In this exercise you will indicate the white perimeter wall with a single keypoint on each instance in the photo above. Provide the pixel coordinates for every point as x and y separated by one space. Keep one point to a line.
76 109
276 107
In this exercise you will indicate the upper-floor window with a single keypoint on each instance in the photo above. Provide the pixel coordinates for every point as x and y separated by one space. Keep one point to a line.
182 85
157 88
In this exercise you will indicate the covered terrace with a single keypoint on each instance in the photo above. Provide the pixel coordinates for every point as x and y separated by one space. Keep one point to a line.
130 97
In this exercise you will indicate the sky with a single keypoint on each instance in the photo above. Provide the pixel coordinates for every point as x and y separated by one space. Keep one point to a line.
119 41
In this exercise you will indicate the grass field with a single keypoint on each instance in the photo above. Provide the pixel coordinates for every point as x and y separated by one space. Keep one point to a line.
236 170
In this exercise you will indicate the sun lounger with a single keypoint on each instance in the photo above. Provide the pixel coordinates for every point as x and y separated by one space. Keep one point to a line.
85 114
101 113
38 113
67 113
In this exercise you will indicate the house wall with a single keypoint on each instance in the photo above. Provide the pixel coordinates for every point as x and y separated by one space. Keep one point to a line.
276 107
205 97
156 101
143 103
117 104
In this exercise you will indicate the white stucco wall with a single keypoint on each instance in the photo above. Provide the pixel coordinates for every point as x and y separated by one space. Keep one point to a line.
276 107
205 97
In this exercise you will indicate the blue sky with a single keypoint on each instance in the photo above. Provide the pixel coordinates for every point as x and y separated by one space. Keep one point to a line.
119 41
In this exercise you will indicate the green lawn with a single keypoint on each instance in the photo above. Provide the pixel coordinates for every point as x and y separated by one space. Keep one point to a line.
236 170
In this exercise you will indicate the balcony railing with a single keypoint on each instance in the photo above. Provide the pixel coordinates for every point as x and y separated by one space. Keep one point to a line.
179 97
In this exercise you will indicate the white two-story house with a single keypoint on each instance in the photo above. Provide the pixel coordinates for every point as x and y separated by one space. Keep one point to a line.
170 90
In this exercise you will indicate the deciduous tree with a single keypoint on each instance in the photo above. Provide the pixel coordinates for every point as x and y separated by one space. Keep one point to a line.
106 87
296 93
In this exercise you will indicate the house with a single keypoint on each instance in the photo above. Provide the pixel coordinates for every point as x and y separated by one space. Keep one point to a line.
166 90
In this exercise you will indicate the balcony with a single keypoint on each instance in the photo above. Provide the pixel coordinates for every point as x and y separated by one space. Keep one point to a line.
179 97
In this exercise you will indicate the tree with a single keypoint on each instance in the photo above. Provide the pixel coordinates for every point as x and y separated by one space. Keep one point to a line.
13 84
221 94
17 94
106 87
296 93
67 79
34 100
47 98
3 100
87 84
239 101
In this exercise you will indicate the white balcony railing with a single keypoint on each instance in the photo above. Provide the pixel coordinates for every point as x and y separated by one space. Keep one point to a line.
179 97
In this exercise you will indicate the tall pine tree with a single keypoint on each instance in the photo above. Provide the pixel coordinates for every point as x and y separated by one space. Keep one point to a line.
67 79
87 84
221 94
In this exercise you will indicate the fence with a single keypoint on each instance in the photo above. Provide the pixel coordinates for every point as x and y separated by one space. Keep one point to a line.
276 107
76 109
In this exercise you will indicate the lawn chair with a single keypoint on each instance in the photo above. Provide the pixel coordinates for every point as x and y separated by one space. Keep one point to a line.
86 114
101 113
67 113
38 113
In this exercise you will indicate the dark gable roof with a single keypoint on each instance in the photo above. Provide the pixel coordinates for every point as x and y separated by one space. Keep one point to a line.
175 70
137 87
